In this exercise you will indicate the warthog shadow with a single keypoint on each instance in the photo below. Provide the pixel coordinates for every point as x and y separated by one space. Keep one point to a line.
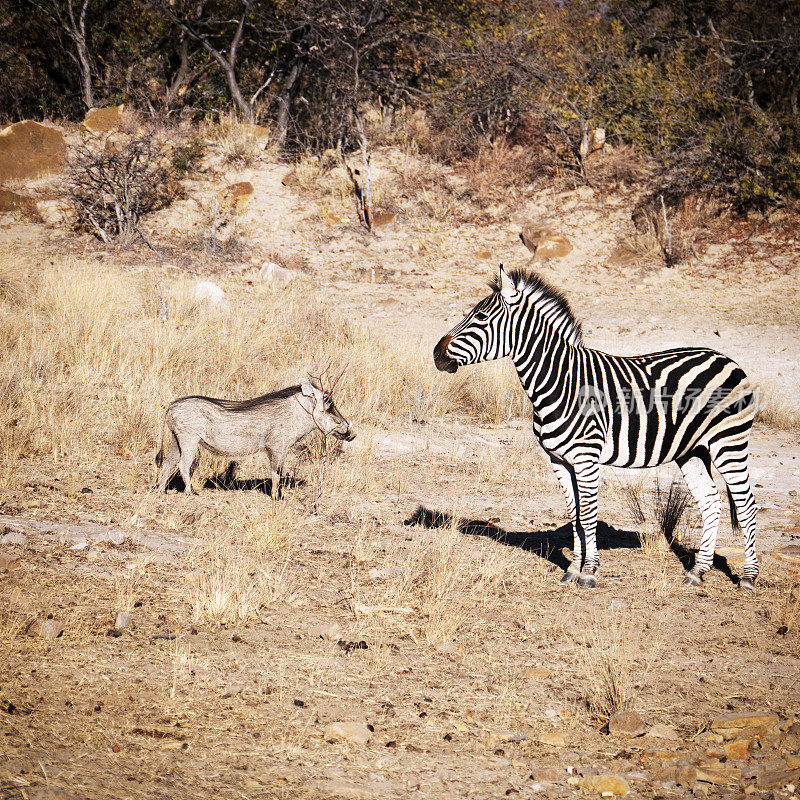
223 483
548 544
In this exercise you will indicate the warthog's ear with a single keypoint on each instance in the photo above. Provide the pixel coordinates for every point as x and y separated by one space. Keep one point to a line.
507 287
315 382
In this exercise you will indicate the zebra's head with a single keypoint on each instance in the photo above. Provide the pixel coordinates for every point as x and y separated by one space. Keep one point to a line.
484 334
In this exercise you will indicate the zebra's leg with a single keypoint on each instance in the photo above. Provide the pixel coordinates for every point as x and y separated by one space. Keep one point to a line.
731 461
696 469
587 478
567 480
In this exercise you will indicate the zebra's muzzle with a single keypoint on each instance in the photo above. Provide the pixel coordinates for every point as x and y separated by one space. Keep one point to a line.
443 361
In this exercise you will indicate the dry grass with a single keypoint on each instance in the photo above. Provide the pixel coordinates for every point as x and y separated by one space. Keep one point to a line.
235 141
613 664
776 409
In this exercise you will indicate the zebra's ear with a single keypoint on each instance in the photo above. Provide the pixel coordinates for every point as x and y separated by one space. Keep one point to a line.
507 287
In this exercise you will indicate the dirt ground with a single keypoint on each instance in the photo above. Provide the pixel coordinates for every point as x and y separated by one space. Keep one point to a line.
422 599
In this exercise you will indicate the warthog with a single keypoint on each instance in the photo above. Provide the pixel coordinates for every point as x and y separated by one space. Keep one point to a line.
271 424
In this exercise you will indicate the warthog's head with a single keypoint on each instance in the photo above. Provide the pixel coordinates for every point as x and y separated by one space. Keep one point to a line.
320 405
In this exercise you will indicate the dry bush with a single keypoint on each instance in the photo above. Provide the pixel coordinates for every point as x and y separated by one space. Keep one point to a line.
613 665
669 508
115 180
236 141
785 612
612 170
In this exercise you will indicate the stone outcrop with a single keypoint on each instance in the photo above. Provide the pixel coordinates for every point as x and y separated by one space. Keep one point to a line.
29 149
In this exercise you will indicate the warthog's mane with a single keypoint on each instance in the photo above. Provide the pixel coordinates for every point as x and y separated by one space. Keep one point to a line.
256 402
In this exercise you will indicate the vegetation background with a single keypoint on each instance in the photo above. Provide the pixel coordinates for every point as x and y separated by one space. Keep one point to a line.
707 90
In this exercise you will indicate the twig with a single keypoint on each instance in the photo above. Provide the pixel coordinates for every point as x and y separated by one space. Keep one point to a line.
322 473
666 224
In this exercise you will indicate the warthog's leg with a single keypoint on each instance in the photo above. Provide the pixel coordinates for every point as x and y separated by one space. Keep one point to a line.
276 463
188 447
170 463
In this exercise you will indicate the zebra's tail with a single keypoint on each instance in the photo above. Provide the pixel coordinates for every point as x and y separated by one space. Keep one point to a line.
737 528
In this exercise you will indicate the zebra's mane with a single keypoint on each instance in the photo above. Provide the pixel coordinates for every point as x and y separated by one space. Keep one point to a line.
556 309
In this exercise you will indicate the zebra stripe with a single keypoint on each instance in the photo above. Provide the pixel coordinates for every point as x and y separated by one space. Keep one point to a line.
691 405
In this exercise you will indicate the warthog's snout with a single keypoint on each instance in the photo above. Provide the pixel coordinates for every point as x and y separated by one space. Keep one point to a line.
348 436
443 361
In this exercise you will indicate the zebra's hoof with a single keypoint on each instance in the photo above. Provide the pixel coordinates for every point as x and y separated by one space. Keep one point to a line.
571 577
692 580
587 581
747 585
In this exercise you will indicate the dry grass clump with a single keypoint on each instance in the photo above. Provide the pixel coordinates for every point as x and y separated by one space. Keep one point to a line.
785 611
777 409
237 141
612 663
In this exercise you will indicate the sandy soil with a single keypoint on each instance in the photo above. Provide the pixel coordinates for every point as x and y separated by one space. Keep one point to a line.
475 670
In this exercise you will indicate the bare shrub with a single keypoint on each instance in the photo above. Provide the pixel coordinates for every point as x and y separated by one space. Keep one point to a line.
114 181
238 141
669 508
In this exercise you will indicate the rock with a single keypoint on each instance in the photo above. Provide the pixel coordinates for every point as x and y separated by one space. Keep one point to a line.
8 562
618 605
554 739
28 150
554 246
605 785
686 776
661 731
707 738
776 778
735 751
730 726
533 232
44 628
382 219
290 179
793 762
353 732
597 140
719 775
14 537
330 632
103 120
209 293
627 723
11 202
122 620
237 195
539 673
788 554
275 275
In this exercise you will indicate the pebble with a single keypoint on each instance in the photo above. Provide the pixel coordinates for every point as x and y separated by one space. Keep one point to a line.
44 628
353 732
730 726
605 785
627 723
737 750
719 775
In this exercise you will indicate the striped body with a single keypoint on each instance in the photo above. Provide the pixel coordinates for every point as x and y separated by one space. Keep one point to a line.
693 406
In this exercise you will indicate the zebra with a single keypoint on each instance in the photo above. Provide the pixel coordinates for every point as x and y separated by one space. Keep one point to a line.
690 405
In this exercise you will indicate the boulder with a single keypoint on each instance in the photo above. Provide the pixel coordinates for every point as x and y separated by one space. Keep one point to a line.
29 149
275 275
103 120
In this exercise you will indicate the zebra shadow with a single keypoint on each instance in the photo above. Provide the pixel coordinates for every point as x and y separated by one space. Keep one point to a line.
546 544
